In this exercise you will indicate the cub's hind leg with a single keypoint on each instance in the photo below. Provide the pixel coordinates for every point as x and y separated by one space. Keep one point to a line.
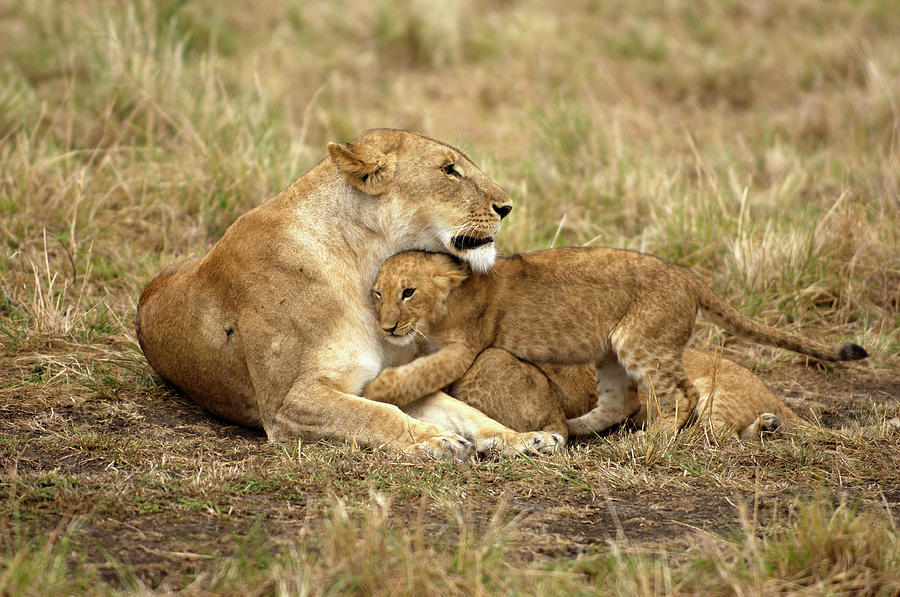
652 355
676 395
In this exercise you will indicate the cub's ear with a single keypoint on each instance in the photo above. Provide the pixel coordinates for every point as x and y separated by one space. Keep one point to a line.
365 167
454 275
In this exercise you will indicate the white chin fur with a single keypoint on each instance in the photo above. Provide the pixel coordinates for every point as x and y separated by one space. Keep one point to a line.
400 340
480 259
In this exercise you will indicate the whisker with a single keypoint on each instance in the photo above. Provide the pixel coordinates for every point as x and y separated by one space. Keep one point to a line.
466 228
421 340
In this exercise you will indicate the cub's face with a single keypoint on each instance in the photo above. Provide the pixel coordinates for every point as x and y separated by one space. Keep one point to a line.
447 202
410 293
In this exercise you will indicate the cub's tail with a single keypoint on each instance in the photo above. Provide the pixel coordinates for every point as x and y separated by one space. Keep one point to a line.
721 313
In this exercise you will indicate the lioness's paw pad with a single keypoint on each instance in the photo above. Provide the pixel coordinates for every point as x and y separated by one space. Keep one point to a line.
447 446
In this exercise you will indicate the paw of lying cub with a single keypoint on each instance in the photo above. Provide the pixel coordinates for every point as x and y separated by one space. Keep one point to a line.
515 444
542 442
445 446
768 422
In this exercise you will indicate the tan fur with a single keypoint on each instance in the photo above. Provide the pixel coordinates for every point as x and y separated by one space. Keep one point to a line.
565 400
561 306
273 327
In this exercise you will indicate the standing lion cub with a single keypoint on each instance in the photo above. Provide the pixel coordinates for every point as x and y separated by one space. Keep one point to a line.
559 306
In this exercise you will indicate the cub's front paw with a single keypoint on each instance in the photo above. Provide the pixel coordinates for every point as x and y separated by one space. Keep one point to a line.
379 389
445 446
515 444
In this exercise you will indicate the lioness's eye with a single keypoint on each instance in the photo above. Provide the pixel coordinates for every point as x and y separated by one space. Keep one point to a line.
376 294
451 170
408 292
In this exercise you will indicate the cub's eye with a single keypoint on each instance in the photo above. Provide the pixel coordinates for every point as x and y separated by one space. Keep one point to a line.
408 292
376 294
451 170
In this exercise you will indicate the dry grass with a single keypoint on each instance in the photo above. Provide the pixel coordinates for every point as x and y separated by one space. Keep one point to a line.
755 142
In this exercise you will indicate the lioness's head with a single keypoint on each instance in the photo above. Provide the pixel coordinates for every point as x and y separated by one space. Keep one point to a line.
448 203
410 292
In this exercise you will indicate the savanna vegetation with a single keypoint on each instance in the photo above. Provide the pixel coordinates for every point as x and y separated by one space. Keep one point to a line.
756 142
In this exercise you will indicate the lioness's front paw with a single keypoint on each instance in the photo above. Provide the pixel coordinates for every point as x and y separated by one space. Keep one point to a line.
446 446
514 444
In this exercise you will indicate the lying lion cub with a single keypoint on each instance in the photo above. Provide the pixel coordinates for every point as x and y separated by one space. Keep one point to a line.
583 400
559 306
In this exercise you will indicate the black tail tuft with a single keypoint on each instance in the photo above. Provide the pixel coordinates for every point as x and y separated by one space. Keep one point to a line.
853 352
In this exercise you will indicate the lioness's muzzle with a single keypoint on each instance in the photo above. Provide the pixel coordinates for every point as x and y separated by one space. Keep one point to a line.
468 242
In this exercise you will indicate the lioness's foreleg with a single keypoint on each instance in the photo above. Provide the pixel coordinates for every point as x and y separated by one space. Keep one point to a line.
298 397
489 435
316 411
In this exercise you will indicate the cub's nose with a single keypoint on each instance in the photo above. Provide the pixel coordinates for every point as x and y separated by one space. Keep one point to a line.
502 210
390 330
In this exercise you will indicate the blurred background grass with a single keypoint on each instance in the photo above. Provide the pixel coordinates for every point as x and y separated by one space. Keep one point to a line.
753 141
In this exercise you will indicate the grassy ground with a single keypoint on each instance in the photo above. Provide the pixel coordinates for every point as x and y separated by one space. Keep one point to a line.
755 142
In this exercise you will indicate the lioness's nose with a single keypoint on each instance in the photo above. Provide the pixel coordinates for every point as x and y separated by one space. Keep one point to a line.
502 210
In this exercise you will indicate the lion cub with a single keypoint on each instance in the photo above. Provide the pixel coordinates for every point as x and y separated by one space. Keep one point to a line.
577 401
559 306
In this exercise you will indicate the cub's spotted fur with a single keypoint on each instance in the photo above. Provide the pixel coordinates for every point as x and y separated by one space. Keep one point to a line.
560 306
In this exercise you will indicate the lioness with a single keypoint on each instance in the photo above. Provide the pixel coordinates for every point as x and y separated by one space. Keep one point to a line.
583 400
273 327
559 306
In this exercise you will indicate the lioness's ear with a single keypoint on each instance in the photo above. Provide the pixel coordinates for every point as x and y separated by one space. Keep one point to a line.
365 167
